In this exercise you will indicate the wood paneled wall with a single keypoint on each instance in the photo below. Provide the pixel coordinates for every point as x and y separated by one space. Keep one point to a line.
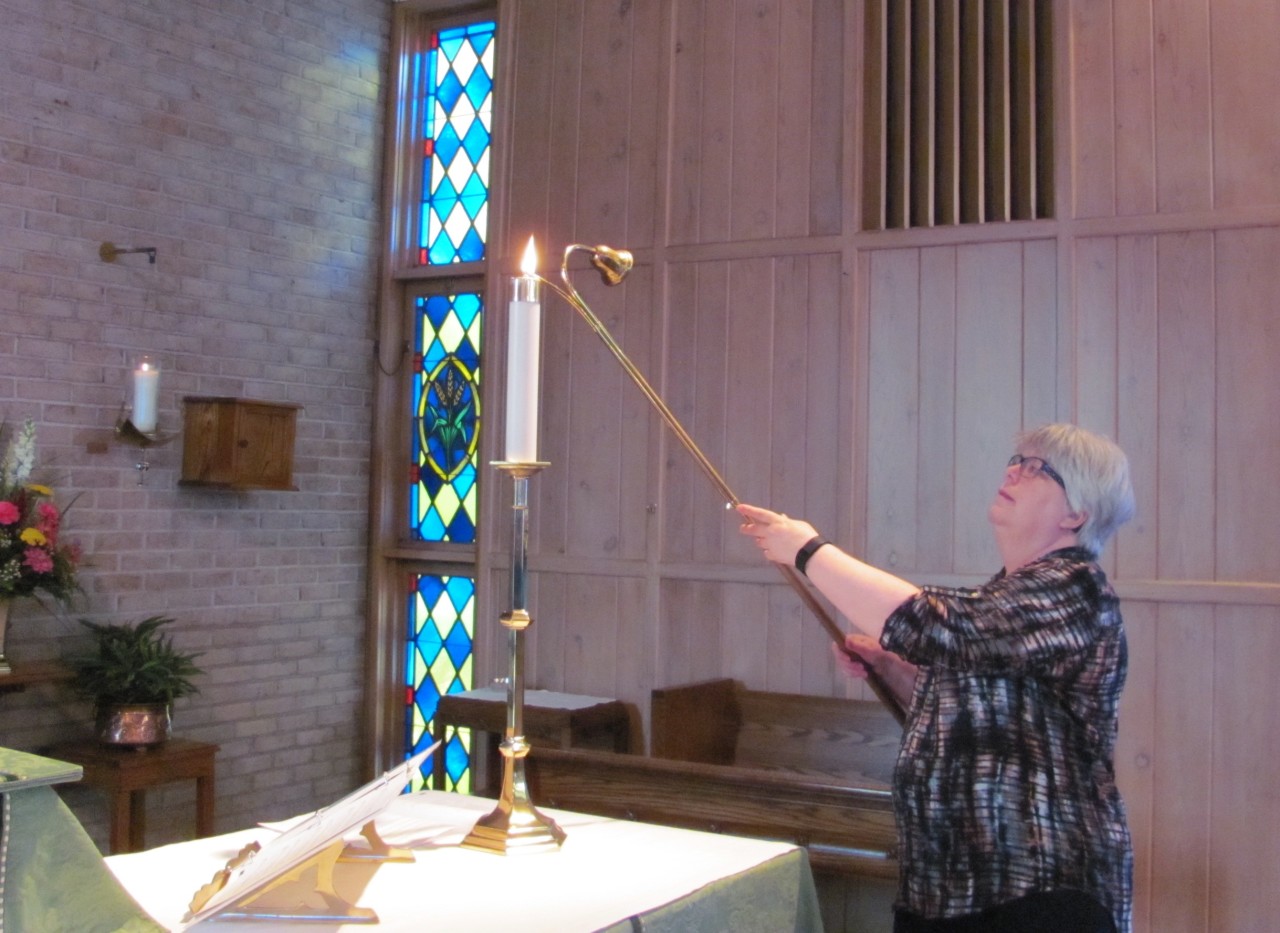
872 381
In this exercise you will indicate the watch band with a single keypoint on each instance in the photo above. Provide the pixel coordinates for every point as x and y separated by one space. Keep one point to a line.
810 548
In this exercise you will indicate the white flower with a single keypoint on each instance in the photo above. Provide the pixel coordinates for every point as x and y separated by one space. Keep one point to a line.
21 457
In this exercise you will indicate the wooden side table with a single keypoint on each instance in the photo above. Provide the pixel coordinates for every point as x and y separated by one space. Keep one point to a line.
126 773
562 720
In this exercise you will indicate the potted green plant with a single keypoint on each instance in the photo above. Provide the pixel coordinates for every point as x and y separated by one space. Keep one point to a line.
133 678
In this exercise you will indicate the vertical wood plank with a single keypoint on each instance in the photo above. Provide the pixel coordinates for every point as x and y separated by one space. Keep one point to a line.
533 80
646 143
1247 277
827 351
679 389
893 424
972 115
1095 328
1244 857
753 374
1183 777
1093 136
1040 323
1023 110
792 142
689 137
830 162
1244 62
875 111
1187 405
715 179
689 622
1135 748
936 490
897 179
1184 121
789 363
1136 547
754 169
1133 71
996 109
947 183
923 113
989 377
1046 108
605 125
590 635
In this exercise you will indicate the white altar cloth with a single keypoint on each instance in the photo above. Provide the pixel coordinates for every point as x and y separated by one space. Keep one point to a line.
606 872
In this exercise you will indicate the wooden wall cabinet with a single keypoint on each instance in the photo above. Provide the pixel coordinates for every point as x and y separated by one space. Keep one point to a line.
236 443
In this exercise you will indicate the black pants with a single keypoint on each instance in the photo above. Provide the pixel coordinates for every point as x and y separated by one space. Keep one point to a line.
1044 912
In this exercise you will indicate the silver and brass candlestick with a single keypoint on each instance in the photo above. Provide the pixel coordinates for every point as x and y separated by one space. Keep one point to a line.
515 825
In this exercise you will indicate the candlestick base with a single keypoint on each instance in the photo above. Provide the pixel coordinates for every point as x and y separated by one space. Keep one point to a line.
514 825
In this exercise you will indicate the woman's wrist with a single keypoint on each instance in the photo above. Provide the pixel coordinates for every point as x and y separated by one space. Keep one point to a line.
807 551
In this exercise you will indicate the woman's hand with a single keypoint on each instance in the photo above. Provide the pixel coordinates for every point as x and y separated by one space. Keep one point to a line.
896 674
777 536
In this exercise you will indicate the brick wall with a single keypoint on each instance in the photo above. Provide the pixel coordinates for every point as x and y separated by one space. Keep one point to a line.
241 139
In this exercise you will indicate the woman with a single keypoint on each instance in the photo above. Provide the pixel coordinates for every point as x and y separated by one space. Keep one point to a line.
1004 791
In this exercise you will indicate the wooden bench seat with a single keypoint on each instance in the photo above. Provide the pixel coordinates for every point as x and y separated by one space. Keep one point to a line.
810 770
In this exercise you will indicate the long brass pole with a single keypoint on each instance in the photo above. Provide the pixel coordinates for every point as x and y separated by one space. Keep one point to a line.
613 264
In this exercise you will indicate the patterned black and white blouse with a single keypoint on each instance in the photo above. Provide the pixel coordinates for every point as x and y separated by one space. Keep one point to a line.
1005 782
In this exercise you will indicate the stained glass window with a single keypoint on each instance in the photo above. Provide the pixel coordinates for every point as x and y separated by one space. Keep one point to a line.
441 625
446 417
448 105
457 81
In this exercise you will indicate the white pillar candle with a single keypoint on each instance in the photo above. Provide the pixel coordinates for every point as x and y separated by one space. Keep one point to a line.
146 391
524 354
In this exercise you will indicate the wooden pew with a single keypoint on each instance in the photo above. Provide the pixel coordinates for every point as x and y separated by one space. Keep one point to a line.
810 770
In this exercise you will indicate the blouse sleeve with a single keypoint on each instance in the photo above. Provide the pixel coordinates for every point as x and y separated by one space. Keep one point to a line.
1039 619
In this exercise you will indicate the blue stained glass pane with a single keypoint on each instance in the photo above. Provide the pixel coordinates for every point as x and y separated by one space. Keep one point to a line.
474 196
458 96
442 251
456 758
451 42
441 624
476 142
447 146
448 92
479 88
471 249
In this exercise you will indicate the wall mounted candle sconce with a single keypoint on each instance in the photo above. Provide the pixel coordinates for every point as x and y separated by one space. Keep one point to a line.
137 422
108 252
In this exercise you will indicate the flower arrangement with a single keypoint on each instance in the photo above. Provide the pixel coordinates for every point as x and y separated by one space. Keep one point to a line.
33 558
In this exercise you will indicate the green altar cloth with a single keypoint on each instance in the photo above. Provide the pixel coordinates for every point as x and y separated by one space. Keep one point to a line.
52 877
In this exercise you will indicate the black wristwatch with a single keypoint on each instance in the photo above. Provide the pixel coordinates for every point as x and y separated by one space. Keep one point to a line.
810 548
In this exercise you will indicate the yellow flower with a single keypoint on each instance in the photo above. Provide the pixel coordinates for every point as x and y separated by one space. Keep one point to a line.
33 537
39 490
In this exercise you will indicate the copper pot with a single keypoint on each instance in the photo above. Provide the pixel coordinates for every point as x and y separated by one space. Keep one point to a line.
146 724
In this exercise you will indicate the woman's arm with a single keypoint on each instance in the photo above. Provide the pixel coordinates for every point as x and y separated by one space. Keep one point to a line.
864 594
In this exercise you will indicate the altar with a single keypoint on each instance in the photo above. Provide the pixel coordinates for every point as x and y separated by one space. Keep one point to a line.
612 875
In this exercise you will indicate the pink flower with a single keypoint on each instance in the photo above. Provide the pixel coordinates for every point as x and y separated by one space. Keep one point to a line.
9 513
38 560
48 519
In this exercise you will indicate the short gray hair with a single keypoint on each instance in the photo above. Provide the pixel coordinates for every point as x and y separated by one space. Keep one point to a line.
1096 473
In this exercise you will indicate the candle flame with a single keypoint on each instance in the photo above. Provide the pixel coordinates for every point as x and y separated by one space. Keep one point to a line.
529 262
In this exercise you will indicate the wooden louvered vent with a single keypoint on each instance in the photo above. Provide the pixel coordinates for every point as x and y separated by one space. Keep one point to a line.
959 112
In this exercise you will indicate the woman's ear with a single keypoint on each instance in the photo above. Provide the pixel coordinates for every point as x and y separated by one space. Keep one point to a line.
1074 521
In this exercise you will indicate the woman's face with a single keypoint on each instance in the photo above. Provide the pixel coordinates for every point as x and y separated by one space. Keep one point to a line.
1030 509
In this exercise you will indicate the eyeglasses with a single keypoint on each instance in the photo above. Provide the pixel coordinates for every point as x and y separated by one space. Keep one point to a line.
1034 466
